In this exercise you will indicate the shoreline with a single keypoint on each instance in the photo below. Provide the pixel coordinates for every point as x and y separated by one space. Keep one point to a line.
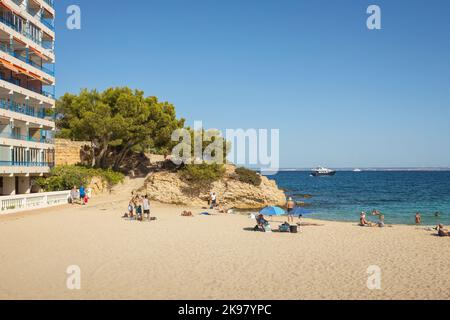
241 212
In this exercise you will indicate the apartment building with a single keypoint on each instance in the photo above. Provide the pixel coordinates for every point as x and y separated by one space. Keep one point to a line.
27 93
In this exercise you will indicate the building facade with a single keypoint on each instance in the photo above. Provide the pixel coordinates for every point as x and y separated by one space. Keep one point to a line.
27 93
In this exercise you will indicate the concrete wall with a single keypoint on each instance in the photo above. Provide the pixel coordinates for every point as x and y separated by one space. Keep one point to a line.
69 152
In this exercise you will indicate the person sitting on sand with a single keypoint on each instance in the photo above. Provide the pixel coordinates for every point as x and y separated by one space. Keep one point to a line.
130 210
381 222
442 232
187 214
261 223
362 220
418 218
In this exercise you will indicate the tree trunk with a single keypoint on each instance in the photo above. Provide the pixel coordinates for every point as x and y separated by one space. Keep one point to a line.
121 157
101 156
93 154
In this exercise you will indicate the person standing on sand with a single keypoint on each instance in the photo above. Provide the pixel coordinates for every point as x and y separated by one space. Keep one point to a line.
82 195
418 218
146 207
73 195
290 208
213 200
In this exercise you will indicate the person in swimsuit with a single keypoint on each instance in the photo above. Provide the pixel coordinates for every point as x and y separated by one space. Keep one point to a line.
418 218
442 232
290 208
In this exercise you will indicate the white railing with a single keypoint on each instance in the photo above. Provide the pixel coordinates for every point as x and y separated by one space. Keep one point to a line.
24 202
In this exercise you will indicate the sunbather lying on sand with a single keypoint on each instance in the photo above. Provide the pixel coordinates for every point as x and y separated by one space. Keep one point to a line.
442 232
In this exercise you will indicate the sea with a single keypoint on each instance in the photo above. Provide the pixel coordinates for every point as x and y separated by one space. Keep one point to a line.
397 194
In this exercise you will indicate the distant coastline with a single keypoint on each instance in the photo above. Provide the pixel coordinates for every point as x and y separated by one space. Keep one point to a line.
427 169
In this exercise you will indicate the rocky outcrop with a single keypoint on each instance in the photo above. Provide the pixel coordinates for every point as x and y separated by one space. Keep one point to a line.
167 187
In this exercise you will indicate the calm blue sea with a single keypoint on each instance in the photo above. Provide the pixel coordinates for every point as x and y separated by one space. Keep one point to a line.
398 194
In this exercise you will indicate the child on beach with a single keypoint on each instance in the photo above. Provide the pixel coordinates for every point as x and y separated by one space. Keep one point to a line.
138 208
82 195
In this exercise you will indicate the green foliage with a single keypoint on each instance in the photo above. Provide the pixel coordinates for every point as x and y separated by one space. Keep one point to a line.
202 175
249 176
116 122
66 177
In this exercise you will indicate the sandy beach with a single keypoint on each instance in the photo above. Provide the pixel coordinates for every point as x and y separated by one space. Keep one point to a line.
211 257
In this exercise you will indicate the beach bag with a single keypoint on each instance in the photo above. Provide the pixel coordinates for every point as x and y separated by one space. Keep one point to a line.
293 229
267 228
284 228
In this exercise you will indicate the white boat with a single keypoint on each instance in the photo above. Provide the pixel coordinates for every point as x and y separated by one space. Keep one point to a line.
357 170
321 171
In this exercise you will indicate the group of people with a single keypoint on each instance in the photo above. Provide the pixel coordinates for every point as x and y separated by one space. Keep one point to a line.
82 194
138 208
363 222
442 232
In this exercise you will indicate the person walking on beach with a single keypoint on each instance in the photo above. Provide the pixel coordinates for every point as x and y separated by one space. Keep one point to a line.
290 208
418 218
146 207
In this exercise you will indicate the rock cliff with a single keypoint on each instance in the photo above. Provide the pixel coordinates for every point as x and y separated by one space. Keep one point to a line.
168 187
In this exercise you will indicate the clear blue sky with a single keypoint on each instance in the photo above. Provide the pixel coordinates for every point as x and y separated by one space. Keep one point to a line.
341 95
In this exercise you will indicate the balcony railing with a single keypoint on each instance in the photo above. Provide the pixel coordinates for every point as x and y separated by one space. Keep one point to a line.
26 164
26 34
49 23
51 3
37 90
6 49
23 109
14 136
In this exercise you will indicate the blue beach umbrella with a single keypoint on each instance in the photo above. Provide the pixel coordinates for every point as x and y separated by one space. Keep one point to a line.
299 211
272 211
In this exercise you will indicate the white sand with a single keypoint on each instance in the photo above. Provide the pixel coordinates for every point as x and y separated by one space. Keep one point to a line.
211 257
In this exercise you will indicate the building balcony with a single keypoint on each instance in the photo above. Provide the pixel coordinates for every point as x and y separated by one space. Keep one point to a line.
25 109
48 93
51 3
13 136
49 23
6 49
47 45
